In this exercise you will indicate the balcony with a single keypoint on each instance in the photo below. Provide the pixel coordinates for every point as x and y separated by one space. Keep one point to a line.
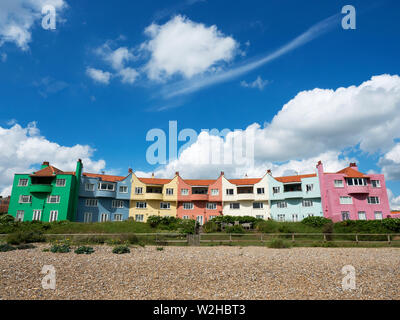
199 197
245 196
357 189
154 196
293 194
40 188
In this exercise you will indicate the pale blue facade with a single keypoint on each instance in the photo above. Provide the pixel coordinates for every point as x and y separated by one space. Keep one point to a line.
95 205
295 200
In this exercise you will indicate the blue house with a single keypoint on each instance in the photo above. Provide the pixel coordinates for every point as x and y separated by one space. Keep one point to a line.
104 198
294 198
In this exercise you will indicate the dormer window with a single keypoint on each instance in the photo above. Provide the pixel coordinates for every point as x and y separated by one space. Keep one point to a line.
356 181
103 186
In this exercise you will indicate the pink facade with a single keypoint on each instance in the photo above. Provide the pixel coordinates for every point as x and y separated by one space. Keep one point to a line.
350 194
193 197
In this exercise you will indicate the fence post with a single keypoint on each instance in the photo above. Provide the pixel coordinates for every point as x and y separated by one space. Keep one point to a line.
262 238
324 237
293 237
156 238
230 237
388 237
357 238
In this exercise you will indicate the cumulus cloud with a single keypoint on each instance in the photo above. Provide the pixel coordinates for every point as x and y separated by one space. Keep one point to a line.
390 163
393 200
24 149
17 18
259 83
186 48
98 75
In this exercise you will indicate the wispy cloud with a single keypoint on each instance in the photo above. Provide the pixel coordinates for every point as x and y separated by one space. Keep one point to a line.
259 84
187 87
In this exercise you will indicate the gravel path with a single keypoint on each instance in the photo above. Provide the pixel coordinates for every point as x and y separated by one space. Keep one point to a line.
203 273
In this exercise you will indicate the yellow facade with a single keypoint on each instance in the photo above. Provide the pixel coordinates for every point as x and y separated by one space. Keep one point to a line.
152 200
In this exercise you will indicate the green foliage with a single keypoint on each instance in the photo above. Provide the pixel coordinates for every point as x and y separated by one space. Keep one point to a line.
186 226
211 227
232 219
316 222
84 250
25 246
235 229
160 249
6 219
25 237
5 247
368 226
60 248
121 249
327 229
278 244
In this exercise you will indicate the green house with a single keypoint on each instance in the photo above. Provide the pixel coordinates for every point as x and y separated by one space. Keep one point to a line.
47 195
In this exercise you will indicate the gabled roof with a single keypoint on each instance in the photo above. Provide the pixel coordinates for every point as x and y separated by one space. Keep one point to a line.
103 177
200 182
349 172
49 171
155 181
244 182
298 178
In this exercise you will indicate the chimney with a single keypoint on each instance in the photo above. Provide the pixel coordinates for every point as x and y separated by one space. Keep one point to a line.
353 165
45 164
222 173
269 172
177 173
130 170
79 167
152 175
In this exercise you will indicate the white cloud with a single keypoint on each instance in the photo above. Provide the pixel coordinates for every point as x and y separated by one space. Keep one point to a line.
98 75
128 75
187 48
116 58
259 83
390 163
24 149
393 200
17 18
3 57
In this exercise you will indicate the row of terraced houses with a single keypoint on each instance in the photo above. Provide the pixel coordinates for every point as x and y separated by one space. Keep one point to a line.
54 195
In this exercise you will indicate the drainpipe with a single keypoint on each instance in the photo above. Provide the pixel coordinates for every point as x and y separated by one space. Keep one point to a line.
78 173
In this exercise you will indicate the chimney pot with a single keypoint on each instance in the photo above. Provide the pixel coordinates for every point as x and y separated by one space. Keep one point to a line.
130 170
222 173
269 172
353 164
177 173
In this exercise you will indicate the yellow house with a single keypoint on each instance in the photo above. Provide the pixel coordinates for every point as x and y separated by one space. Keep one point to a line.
153 197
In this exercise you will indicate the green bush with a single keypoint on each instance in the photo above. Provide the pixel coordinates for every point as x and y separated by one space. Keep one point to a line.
60 248
25 237
232 219
160 249
327 229
235 229
186 226
316 222
6 219
25 246
84 250
211 227
5 247
121 249
278 244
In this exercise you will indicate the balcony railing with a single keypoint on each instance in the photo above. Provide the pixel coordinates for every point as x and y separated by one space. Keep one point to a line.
40 188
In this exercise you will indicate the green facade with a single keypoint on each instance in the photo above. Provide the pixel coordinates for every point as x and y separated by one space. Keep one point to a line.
40 188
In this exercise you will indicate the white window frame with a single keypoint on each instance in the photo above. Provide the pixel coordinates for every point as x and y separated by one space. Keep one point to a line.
377 183
338 183
260 190
139 217
37 215
261 205
53 216
356 182
88 217
230 192
184 192
276 190
123 188
347 213
185 217
169 191
22 199
138 190
308 203
188 206
141 205
101 184
362 214
295 217
91 188
20 215
233 204
260 217
378 213
281 217
211 206
56 197
118 217
91 203
117 204
309 186
167 206
376 199
63 184
215 192
281 204
345 200
25 184
104 217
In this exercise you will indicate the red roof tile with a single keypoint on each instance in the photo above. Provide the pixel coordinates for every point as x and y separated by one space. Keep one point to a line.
155 181
47 172
104 177
298 178
244 182
200 182
395 212
352 173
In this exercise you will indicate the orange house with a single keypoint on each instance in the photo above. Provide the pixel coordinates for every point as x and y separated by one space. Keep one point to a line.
199 200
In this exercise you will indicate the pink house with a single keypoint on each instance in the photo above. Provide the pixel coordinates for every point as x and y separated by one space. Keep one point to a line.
352 195
199 200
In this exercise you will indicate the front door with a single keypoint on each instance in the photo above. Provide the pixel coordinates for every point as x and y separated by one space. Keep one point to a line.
200 220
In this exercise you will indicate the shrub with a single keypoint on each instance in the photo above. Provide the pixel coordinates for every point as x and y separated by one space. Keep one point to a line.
235 229
6 219
316 222
25 246
84 250
5 247
269 226
60 248
160 249
278 244
121 249
211 227
25 237
328 230
187 226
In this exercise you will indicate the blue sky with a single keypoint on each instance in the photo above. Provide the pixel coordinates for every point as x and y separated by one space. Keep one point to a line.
47 81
